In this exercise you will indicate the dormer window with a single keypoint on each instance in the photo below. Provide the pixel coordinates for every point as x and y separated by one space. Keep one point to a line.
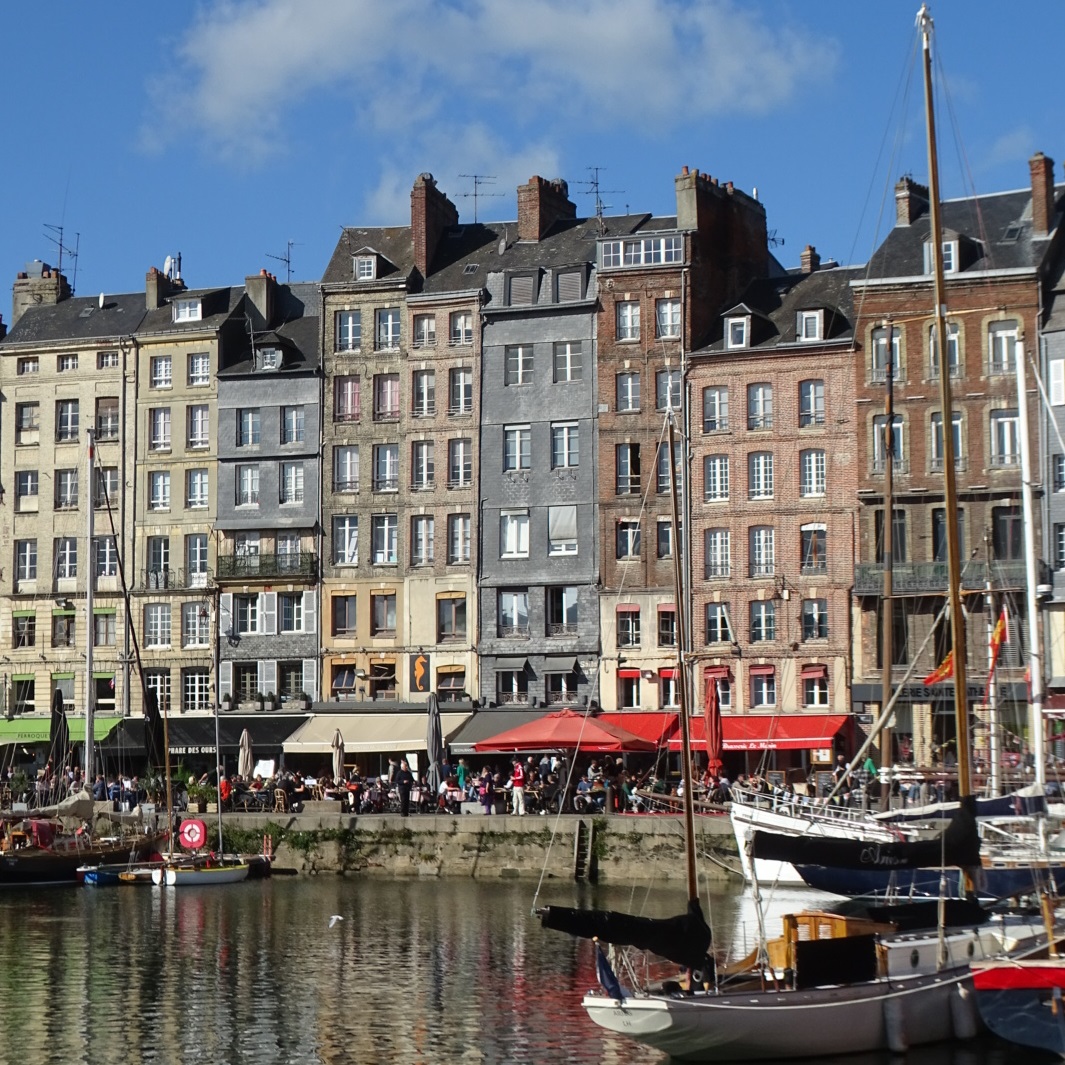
187 310
737 331
365 267
268 359
950 257
808 325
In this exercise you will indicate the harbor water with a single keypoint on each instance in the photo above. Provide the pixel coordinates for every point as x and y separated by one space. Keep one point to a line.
263 973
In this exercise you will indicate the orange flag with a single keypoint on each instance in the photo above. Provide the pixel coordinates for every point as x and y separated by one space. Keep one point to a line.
998 638
944 671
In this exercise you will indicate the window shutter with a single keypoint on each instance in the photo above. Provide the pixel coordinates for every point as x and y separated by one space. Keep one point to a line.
268 677
1057 382
268 613
310 677
562 523
569 287
521 290
225 616
225 678
310 617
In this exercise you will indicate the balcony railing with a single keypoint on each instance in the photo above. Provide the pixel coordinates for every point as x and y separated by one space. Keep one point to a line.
164 577
513 632
304 564
561 628
908 578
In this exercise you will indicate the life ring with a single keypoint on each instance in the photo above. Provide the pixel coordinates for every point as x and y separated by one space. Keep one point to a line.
192 834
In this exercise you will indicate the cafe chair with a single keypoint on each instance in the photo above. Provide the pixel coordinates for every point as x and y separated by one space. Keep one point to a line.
280 801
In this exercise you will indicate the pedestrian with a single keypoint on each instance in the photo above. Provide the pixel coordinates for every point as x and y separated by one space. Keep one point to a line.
404 781
517 782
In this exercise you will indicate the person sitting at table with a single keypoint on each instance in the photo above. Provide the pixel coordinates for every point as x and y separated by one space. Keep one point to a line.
300 793
257 783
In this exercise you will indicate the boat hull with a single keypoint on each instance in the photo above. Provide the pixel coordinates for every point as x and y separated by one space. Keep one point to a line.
36 865
1022 1002
180 876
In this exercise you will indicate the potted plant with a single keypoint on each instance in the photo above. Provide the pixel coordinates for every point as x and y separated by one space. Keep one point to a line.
259 698
227 701
304 700
271 701
200 795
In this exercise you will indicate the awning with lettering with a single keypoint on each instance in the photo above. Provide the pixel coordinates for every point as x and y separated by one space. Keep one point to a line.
380 733
38 729
193 736
769 732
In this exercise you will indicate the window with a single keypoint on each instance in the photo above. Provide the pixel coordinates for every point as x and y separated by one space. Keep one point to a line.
667 627
1058 547
195 626
628 627
667 318
627 466
196 689
199 426
384 539
289 550
291 482
63 630
458 539
157 625
196 489
187 311
159 490
811 473
715 409
105 552
27 485
1002 347
248 486
451 619
628 539
26 560
267 358
565 445
808 325
811 403
162 372
66 421
517 447
815 619
423 393
718 626
196 560
28 423
938 456
763 620
1005 439
27 365
562 530
514 534
628 391
664 537
248 427
513 605
662 467
348 330
715 478
423 466
246 552
159 429
460 391
66 489
562 611
344 615
813 560
950 256
460 462
24 630
736 332
425 330
814 688
567 361
387 329
107 360
628 320
629 688
346 468
898 536
385 397
364 267
560 687
763 687
762 548
107 418
246 615
512 686
66 364
386 467
460 328
952 351
346 399
66 557
667 390
158 562
716 553
760 475
422 533
885 444
518 365
1057 463
199 372
642 251
1007 533
760 406
885 353
293 421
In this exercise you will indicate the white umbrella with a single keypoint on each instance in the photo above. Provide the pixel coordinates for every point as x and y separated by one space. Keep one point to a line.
338 755
245 761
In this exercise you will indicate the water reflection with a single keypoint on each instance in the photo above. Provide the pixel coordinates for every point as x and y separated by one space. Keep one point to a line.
433 972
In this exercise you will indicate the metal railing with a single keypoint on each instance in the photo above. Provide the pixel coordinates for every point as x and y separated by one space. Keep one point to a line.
304 564
932 577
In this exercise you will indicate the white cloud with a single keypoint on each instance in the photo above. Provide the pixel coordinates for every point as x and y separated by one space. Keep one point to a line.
1014 146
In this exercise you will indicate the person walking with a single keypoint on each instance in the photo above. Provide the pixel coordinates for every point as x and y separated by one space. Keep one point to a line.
517 782
404 780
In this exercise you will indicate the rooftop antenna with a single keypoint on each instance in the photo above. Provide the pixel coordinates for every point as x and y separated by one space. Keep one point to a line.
57 240
478 180
286 259
594 187
773 240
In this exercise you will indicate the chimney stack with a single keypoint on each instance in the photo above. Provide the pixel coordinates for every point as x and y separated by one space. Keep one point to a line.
1042 171
810 261
431 213
38 284
261 289
157 287
911 200
541 204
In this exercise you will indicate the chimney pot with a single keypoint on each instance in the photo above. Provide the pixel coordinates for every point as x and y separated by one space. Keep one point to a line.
809 259
1041 168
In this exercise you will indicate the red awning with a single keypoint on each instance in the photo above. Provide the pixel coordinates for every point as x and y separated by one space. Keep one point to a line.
667 673
650 725
629 674
769 732
761 671
813 670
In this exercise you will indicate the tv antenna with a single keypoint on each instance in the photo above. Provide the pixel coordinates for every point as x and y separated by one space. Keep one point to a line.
773 240
595 188
478 180
286 259
57 240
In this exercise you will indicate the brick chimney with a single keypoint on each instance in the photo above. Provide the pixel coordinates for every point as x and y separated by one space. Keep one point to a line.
911 200
157 287
38 284
541 204
1042 171
809 260
431 213
262 289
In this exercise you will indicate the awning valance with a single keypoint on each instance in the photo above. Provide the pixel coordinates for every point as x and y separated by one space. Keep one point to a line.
196 735
760 671
813 670
511 665
769 732
629 674
380 733
38 729
650 725
561 664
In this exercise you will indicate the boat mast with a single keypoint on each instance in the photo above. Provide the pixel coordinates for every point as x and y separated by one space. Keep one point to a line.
957 618
887 605
90 687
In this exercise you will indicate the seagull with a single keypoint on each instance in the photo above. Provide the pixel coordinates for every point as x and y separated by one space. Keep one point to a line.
335 919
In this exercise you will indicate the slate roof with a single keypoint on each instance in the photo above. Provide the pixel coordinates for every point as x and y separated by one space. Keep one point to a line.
393 244
295 331
78 319
217 306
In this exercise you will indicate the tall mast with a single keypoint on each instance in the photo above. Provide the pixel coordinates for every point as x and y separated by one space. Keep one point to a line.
957 618
90 566
887 605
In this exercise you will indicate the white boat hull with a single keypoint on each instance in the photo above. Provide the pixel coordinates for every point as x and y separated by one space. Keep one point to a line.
178 876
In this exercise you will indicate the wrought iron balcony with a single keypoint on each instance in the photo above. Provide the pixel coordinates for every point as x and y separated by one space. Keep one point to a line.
910 578
251 567
169 577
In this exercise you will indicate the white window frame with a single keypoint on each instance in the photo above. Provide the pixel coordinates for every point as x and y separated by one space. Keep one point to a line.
197 489
199 426
162 371
627 318
813 477
1005 437
387 329
715 478
517 448
199 369
348 327
760 405
567 361
290 483
459 328
159 429
762 544
157 625
422 537
760 475
384 539
627 391
562 529
159 489
425 331
345 540
1002 347
247 484
717 551
517 365
667 319
346 468
422 465
808 326
458 539
514 534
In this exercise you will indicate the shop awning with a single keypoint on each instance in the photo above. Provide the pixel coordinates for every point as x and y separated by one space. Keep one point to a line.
38 729
769 732
368 733
196 735
655 726
487 723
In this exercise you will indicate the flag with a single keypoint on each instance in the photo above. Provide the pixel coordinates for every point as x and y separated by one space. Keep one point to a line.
607 980
998 638
944 671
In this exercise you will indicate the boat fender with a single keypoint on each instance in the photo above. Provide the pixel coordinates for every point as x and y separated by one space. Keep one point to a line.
894 1025
963 1013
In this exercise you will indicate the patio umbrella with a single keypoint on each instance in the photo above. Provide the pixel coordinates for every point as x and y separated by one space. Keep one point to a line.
245 761
59 732
434 743
153 730
712 727
566 730
338 755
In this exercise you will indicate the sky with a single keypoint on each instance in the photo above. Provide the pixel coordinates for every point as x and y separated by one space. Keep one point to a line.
239 132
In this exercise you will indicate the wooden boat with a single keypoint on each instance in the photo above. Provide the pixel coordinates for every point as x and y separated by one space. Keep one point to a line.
201 872
1020 1000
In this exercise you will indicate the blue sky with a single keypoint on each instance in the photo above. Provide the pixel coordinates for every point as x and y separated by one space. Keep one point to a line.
224 130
